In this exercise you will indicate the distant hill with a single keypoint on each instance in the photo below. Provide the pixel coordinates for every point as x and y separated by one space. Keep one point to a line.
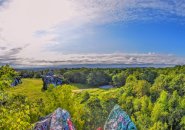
97 66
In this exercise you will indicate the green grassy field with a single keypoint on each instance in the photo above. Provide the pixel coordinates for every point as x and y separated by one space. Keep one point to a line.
32 88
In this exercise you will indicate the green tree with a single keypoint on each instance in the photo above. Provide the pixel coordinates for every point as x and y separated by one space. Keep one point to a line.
119 79
160 110
97 78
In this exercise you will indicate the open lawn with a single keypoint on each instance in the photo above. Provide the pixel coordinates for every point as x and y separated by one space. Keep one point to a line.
32 88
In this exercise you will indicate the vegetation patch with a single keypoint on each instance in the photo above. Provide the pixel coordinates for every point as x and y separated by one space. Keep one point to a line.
153 98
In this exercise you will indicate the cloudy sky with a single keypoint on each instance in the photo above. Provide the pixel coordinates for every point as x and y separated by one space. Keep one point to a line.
54 32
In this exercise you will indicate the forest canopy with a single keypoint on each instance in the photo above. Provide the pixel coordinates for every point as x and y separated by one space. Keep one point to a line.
154 98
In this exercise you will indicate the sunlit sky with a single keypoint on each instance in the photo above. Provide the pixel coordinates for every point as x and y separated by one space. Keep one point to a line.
55 32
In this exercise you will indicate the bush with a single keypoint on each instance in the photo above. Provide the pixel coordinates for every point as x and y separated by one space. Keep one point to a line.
97 78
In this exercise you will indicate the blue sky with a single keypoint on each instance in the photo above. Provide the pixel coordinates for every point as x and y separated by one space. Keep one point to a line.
138 36
46 32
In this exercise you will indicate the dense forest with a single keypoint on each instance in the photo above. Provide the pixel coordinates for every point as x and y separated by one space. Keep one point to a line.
154 98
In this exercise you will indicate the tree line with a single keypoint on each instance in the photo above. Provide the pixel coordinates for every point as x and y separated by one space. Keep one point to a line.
95 77
154 98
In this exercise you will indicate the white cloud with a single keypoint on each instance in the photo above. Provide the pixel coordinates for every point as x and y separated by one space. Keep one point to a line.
115 58
33 25
23 18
